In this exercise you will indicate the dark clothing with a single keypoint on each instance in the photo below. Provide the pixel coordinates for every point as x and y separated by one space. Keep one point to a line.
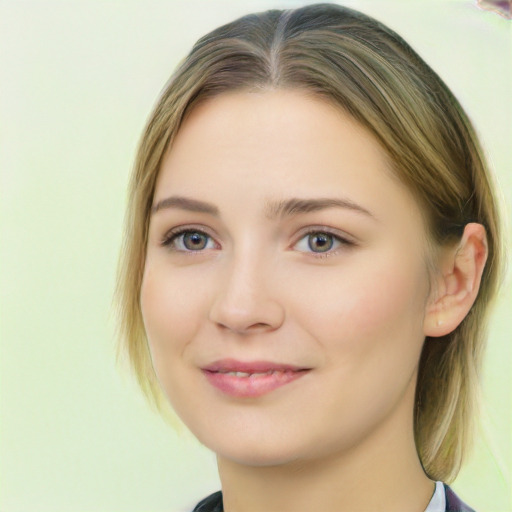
213 503
453 502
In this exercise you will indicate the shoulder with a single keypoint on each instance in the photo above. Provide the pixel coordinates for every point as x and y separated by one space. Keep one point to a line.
454 503
212 503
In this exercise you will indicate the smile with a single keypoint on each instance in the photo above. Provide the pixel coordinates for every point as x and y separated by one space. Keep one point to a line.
251 379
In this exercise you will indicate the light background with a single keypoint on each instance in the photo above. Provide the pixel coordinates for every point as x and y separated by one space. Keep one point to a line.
77 81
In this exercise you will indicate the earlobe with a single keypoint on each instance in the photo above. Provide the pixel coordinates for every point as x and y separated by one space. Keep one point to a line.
461 269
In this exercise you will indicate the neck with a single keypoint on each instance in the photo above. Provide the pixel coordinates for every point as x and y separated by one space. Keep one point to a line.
382 473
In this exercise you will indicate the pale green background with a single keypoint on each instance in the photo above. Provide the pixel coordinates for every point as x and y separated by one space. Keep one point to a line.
78 79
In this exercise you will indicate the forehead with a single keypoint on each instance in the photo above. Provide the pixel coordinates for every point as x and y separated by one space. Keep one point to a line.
265 127
249 147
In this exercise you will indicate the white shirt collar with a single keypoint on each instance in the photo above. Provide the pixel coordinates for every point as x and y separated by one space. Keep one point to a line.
438 501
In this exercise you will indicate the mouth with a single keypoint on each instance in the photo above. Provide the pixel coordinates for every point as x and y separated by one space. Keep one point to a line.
251 379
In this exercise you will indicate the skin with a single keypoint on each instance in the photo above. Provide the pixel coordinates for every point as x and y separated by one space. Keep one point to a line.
340 437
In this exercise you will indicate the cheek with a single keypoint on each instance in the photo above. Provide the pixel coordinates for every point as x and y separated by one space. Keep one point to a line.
368 321
368 306
171 303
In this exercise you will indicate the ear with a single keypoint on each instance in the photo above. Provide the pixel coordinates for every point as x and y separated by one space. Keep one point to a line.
455 291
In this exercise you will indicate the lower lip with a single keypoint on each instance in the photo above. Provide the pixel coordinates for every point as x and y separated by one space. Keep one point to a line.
251 386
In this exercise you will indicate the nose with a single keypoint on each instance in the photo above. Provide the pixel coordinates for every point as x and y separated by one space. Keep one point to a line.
245 301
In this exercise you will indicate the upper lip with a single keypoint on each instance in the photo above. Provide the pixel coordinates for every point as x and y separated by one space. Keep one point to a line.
232 365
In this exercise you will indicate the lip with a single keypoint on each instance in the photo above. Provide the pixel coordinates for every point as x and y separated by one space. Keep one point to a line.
265 376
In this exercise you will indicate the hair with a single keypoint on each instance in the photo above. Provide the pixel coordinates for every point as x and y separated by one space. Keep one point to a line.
359 65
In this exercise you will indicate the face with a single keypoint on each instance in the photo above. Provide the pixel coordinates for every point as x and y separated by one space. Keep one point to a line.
285 284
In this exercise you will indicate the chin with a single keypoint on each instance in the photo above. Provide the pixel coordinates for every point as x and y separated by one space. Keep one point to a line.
255 457
256 450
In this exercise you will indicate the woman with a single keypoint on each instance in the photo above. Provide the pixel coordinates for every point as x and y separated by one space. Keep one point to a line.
312 246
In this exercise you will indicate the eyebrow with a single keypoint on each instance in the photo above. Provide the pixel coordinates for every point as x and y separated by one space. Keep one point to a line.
185 203
273 209
295 206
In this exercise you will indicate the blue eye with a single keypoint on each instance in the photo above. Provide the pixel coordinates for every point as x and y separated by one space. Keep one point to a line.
320 242
189 240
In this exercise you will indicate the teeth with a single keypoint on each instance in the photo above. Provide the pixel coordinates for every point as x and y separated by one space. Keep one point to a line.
246 374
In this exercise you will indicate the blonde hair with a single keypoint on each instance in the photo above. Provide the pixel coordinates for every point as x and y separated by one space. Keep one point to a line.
364 68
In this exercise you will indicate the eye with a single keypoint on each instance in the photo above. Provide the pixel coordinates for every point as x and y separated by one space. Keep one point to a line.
320 242
188 240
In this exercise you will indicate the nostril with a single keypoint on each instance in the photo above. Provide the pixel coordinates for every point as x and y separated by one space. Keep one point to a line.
259 326
241 329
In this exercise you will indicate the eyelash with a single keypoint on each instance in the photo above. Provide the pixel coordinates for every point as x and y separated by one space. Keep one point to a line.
342 241
176 233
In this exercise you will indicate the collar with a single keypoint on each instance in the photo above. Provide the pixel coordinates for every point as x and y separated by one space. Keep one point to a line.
438 501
